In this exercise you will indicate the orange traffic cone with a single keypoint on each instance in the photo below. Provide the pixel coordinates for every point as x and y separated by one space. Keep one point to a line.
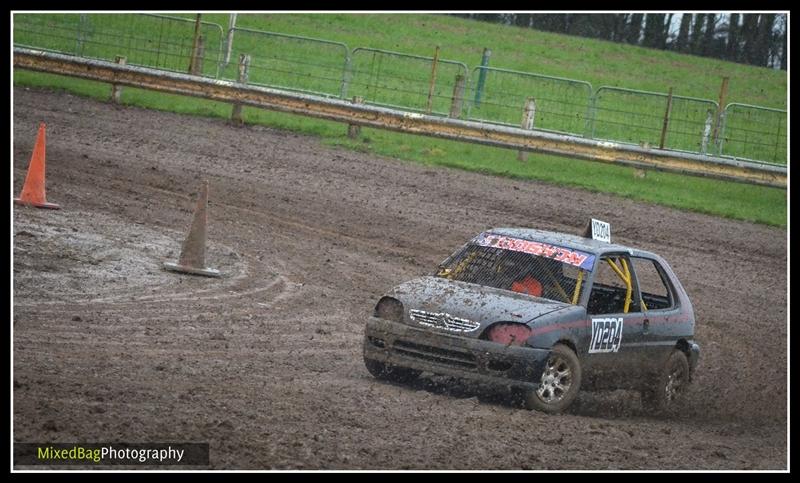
193 252
33 189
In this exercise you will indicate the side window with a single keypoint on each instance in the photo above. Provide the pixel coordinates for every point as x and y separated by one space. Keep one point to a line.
612 287
655 290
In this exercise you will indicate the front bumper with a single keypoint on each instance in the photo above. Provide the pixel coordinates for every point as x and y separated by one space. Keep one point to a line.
481 361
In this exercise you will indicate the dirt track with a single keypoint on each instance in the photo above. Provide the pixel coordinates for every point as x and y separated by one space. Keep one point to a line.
265 364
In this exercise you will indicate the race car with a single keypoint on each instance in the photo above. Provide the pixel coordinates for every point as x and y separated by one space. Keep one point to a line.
546 314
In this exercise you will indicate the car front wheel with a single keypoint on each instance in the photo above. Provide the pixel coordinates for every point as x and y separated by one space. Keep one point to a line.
559 383
670 386
387 372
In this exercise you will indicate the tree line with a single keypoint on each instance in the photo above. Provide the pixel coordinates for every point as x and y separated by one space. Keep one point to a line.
749 38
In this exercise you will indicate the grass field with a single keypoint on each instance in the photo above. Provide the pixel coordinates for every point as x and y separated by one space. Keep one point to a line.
598 62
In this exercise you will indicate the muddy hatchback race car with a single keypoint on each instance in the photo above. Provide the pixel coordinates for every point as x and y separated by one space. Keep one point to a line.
542 312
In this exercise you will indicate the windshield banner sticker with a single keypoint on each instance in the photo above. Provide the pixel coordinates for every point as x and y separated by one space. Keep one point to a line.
572 257
606 335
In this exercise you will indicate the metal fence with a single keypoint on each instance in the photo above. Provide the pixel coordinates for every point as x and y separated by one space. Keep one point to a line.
754 132
414 82
147 40
639 117
397 119
499 96
290 62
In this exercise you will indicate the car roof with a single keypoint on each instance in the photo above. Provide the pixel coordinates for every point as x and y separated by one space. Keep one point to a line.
567 240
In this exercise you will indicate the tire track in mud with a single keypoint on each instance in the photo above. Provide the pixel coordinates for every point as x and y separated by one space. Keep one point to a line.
718 400
318 234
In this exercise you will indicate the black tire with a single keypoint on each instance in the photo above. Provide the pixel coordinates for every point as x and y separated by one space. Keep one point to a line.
670 386
559 384
386 372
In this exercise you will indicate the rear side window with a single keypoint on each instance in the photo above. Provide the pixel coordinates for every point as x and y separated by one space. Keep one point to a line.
653 284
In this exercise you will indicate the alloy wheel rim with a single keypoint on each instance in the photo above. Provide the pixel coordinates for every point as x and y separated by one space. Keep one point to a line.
555 381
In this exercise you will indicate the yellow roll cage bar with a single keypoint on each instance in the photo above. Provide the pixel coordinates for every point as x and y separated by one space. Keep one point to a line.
624 273
577 288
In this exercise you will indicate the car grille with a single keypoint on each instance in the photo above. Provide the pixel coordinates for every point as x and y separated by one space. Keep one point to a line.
443 321
436 354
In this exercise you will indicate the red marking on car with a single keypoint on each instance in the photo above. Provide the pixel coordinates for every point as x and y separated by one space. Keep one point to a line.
534 248
565 325
509 334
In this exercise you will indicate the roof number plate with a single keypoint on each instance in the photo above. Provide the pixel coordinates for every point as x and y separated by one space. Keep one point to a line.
601 231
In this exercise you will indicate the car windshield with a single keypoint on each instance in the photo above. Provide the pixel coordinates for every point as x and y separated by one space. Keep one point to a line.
533 268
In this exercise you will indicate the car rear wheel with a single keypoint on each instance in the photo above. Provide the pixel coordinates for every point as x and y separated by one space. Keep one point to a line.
387 372
559 383
670 386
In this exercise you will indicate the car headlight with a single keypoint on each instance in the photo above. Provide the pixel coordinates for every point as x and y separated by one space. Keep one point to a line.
508 333
389 308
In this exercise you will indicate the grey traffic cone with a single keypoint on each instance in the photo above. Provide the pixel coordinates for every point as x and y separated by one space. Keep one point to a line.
193 252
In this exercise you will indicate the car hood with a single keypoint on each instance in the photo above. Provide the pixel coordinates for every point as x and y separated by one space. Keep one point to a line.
478 303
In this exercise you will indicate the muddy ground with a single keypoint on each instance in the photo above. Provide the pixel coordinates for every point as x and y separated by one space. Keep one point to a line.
265 363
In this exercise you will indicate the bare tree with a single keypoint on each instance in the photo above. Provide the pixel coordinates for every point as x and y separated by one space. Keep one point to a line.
666 31
708 34
682 43
758 39
618 32
550 22
522 20
583 24
634 29
764 38
653 30
697 34
749 37
783 42
604 26
488 17
732 47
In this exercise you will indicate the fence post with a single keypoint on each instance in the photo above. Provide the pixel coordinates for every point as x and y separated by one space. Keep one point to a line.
354 130
244 68
487 53
706 132
201 54
528 116
195 39
229 37
82 28
722 124
777 138
116 89
666 120
433 80
458 97
723 93
346 74
592 121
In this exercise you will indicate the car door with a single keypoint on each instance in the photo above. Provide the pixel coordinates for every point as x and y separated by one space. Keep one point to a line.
660 308
615 325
